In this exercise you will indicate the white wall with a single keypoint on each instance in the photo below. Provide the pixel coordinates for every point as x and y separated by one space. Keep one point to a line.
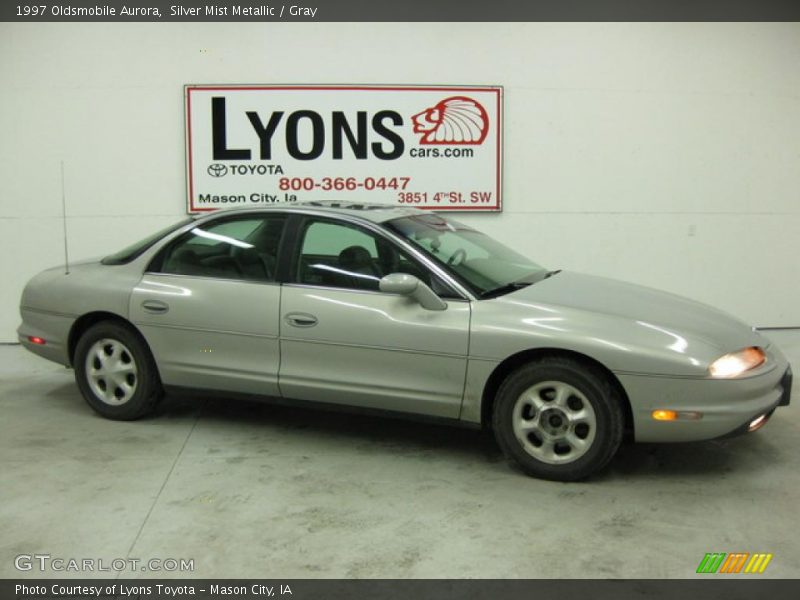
664 154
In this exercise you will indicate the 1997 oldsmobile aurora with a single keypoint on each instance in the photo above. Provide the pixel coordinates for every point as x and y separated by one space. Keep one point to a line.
402 310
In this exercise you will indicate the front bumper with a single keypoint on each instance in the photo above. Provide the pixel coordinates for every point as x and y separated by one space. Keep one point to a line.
727 406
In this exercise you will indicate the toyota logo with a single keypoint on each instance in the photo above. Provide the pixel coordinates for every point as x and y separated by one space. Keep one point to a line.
217 170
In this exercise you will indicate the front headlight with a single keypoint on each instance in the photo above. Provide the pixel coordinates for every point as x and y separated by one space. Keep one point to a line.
736 363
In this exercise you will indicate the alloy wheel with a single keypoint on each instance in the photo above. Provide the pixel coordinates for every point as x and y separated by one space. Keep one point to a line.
554 422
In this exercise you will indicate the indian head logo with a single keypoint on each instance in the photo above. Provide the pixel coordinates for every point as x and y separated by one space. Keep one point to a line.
455 120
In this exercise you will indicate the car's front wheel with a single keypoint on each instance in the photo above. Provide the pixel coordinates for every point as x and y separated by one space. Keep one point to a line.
116 372
558 419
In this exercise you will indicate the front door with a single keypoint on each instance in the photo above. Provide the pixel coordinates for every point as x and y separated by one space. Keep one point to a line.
343 341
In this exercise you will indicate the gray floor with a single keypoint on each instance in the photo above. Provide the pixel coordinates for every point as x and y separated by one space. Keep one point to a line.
253 490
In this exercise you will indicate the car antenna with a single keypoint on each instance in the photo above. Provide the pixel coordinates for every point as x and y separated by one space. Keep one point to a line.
64 221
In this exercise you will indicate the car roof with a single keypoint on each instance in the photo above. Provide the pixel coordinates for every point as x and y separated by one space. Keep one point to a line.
377 213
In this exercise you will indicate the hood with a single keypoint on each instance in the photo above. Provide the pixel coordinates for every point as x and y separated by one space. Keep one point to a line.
661 312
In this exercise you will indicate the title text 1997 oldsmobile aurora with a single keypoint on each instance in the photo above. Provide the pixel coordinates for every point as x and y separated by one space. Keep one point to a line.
407 311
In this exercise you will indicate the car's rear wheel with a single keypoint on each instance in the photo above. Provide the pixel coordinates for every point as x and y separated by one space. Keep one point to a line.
116 372
558 419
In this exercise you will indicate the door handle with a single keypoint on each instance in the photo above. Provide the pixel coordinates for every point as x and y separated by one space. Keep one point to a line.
299 319
155 306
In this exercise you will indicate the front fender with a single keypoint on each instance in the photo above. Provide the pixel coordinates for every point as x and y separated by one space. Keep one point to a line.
503 328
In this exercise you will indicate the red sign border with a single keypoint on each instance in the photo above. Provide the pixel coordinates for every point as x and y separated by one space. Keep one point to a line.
498 90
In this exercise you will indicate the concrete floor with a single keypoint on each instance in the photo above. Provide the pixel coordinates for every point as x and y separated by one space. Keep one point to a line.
253 490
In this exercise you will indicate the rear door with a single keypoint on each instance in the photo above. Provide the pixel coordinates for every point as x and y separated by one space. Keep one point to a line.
208 305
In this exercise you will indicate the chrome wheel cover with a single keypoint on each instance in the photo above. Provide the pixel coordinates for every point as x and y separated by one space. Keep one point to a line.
111 371
554 422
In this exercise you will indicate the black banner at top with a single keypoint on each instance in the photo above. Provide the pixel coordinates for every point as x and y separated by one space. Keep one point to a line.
399 10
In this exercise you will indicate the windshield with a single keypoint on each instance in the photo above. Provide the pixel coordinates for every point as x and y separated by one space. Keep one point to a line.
481 263
126 255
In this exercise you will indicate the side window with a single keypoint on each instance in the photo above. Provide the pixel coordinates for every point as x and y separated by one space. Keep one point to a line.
242 248
338 255
329 239
344 256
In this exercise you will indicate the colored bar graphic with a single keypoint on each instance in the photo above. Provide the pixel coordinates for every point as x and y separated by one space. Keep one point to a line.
711 562
758 563
734 562
722 562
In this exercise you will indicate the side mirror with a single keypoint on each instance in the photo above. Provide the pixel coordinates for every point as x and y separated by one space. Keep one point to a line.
408 285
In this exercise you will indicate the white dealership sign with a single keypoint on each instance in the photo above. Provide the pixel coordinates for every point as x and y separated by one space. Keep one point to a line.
435 147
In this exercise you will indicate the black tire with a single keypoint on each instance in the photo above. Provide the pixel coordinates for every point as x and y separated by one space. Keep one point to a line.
558 426
133 369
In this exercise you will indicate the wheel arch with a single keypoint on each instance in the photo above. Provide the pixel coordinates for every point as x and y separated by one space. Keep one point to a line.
513 362
84 322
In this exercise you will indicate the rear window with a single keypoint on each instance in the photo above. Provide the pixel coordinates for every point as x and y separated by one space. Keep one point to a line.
126 255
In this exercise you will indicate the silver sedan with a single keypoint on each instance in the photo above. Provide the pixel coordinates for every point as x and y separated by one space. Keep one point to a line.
403 311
